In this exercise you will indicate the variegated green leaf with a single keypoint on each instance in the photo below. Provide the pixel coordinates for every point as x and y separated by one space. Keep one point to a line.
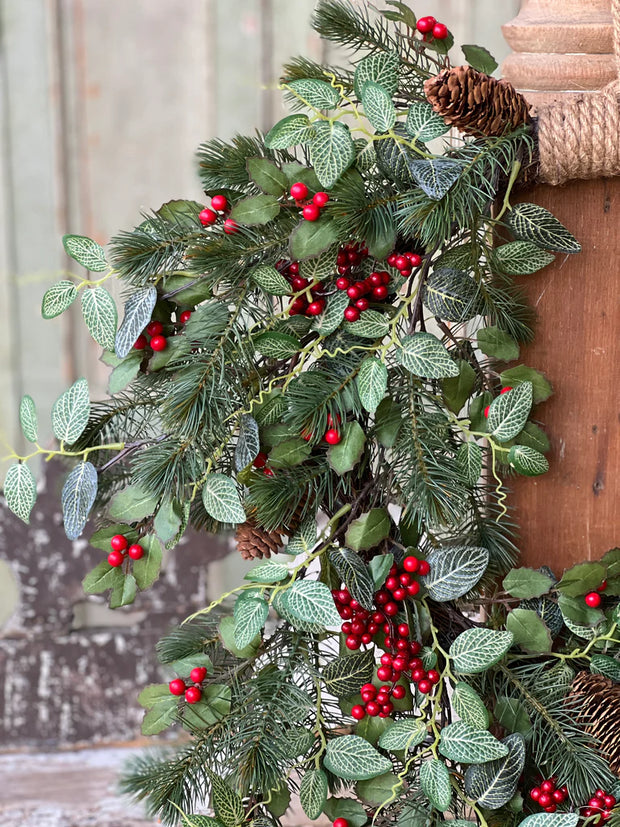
454 571
378 106
508 412
380 67
371 383
423 354
313 793
138 309
77 498
248 442
423 123
370 325
100 316
331 152
527 461
435 783
270 280
20 491
469 461
493 784
310 601
250 613
436 175
461 742
317 93
290 131
28 418
354 759
58 298
70 412
86 252
221 499
355 574
531 222
469 706
403 735
475 650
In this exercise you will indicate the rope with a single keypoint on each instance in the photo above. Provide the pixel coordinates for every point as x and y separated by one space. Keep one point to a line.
581 138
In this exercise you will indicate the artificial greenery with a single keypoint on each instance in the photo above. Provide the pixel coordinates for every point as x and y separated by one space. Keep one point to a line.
425 442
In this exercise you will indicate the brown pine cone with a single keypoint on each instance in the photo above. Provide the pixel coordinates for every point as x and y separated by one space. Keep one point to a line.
475 103
255 542
599 713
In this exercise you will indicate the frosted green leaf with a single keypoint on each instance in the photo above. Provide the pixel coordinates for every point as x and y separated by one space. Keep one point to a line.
248 442
20 491
475 650
276 345
527 461
370 325
469 706
378 106
270 280
551 820
344 675
331 318
304 538
436 176
508 412
530 222
451 294
28 418
311 601
354 759
228 806
423 123
403 735
520 258
344 456
138 309
257 209
221 499
454 571
86 252
380 67
317 93
493 784
461 742
267 176
100 316
423 354
250 614
371 383
495 342
269 572
469 461
331 152
58 298
70 412
435 783
355 574
313 793
290 131
77 498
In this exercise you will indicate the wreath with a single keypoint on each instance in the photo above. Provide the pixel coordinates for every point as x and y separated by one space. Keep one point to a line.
319 361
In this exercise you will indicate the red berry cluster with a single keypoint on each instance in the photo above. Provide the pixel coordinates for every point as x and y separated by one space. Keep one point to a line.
312 210
374 286
488 407
548 795
601 804
429 27
260 462
121 550
301 304
405 263
192 693
153 335
219 204
594 599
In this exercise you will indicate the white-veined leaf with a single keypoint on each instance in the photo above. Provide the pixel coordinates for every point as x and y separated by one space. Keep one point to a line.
290 131
248 442
221 499
28 418
469 461
100 316
268 572
527 461
424 123
138 309
508 412
521 258
378 106
58 298
435 783
436 175
461 742
331 152
310 601
270 280
70 412
344 675
317 93
469 707
354 759
424 355
475 650
250 613
454 571
551 820
77 498
403 735
380 67
370 325
20 491
493 784
355 574
331 318
313 793
86 252
371 383
531 222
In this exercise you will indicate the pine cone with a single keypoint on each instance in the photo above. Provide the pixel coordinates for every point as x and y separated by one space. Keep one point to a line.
253 541
599 713
475 103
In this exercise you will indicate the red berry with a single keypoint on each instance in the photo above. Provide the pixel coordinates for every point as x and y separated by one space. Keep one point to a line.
593 599
610 801
424 567
362 304
342 283
358 712
411 564
320 199
390 609
399 593
413 588
406 272
332 437
343 269
135 551
154 328
602 587
551 808
346 627
207 217
354 292
366 638
185 316
380 292
391 583
415 647
405 579
403 646
401 263
418 675
535 793
315 308
386 659
198 674
486 411
372 709
387 708
403 630
381 597
115 558
299 191
358 627
344 596
261 460
230 226
547 786
176 687
352 642
311 212
345 612
414 259
375 279
425 24
298 283
159 343
399 691
384 673
268 472
544 799
505 390
434 676
118 542
297 306
351 314
369 687
440 32
425 686
558 796
219 203
193 694
140 343
293 268
400 663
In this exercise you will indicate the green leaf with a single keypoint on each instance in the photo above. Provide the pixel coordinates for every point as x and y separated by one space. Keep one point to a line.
77 498
248 442
494 342
380 566
451 295
371 325
310 238
267 176
435 176
454 571
227 634
354 759
577 612
529 631
355 574
475 650
480 58
153 694
607 666
100 579
101 538
269 572
457 389
100 316
257 209
86 252
304 539
469 706
508 412
530 222
581 579
311 602
378 790
146 569
131 504
378 106
159 717
423 123
513 377
124 373
317 93
221 499
276 345
28 418
313 793
123 591
551 820
403 735
381 68
371 383
183 666
168 520
469 462
512 715
70 412
527 461
331 318
534 437
319 268
395 158
58 298
344 456
279 801
290 131
290 453
347 808
20 491
461 742
250 614
527 583
388 421
138 310
331 152
368 530
493 784
270 280
435 783
228 806
423 354
520 258
194 820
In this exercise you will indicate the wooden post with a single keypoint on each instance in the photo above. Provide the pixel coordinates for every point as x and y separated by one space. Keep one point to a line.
573 512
